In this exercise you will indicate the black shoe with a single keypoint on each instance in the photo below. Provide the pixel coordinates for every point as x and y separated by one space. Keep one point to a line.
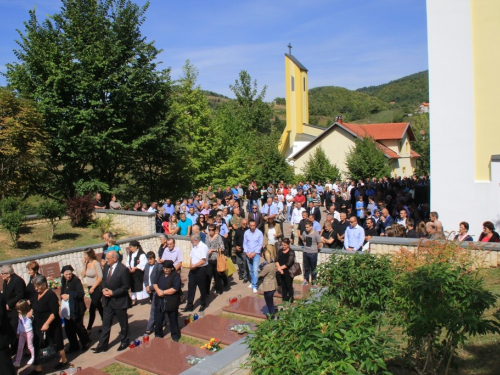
245 281
61 365
99 350
188 309
86 347
202 308
122 347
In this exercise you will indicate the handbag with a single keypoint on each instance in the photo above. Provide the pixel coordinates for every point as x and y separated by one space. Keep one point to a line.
47 350
230 267
281 217
221 262
295 270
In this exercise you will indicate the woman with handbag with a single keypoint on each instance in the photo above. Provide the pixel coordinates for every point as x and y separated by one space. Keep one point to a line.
272 235
285 260
47 322
167 300
73 310
215 244
92 272
268 285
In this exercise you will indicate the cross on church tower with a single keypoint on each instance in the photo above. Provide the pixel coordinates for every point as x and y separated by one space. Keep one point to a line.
290 49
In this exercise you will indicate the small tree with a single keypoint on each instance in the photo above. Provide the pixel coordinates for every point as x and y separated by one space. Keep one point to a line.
53 212
319 168
365 159
12 222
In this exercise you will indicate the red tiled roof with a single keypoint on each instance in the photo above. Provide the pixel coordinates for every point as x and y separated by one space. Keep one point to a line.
380 131
413 154
387 151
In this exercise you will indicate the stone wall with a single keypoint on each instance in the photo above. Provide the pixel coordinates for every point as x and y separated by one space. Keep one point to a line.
130 222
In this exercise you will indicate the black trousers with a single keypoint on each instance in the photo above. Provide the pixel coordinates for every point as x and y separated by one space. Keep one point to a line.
286 282
220 278
74 328
109 314
173 322
197 278
6 362
95 304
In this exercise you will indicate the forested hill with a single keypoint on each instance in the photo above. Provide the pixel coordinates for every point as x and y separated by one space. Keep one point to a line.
407 91
352 105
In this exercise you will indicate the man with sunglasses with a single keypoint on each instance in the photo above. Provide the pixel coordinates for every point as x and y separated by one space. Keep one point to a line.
354 235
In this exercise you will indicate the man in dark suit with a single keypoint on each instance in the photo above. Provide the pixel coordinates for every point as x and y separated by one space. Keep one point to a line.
315 211
257 217
7 336
151 272
116 301
14 290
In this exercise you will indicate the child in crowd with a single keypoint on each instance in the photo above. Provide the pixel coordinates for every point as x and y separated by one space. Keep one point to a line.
113 247
24 332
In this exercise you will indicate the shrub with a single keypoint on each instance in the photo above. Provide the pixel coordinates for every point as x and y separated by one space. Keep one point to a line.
318 338
439 301
103 223
359 280
12 222
79 210
53 212
9 204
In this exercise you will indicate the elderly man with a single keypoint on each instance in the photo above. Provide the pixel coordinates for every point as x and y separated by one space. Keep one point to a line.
253 241
97 202
14 290
354 235
197 273
432 231
269 210
116 301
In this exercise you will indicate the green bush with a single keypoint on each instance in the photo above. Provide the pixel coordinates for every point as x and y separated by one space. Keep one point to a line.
9 204
53 212
439 305
359 280
319 338
12 222
104 224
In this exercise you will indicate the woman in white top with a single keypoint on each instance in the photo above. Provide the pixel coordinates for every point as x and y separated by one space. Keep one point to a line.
272 234
136 262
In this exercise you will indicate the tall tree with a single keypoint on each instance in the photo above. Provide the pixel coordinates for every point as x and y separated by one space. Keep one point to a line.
366 160
421 144
319 168
23 151
96 80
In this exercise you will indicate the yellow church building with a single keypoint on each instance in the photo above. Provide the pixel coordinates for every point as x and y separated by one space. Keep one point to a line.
300 139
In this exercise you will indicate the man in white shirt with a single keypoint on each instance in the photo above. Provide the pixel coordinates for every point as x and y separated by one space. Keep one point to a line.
334 212
289 205
295 220
354 235
197 273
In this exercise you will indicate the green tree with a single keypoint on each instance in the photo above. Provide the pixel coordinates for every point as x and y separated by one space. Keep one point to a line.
98 86
421 144
365 159
52 211
319 168
12 217
23 150
271 165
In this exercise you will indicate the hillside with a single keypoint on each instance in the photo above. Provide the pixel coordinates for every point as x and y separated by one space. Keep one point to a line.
330 101
408 91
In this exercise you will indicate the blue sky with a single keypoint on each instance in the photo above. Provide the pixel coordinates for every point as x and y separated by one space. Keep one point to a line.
351 44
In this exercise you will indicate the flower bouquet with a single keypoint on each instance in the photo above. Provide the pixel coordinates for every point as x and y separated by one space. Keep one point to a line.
54 283
213 345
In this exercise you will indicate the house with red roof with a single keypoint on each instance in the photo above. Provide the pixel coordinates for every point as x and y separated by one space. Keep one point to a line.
393 139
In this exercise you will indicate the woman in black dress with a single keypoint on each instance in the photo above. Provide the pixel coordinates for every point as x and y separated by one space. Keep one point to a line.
72 292
285 259
47 320
167 300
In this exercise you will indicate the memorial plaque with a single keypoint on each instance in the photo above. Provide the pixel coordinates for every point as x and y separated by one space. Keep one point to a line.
163 356
214 326
250 306
51 270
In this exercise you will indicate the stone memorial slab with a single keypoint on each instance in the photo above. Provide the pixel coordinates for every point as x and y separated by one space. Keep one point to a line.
91 371
250 306
214 326
299 292
163 357
51 270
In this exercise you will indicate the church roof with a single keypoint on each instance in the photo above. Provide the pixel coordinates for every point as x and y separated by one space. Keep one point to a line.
302 137
296 62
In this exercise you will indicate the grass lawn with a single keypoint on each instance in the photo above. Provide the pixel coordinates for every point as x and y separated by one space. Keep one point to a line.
35 240
479 354
121 369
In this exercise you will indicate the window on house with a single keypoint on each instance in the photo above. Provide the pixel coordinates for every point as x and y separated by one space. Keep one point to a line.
407 147
304 83
293 83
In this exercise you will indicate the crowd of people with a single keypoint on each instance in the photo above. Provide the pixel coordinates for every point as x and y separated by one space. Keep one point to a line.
246 225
